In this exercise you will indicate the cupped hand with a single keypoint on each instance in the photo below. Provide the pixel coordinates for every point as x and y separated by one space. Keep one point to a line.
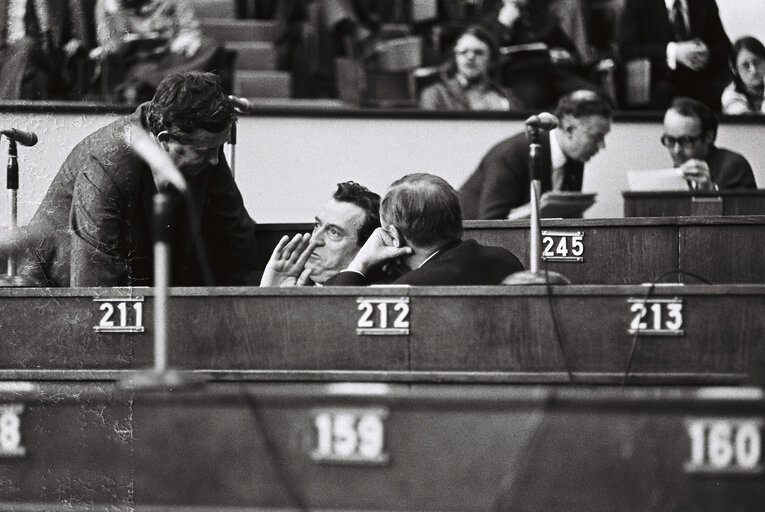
286 266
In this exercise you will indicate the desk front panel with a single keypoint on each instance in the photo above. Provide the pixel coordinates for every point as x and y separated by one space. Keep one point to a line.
681 332
382 447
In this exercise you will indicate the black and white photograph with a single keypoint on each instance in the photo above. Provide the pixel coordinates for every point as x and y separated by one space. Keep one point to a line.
382 255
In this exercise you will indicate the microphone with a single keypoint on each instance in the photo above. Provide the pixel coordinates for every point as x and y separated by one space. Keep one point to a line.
22 137
241 105
162 167
544 121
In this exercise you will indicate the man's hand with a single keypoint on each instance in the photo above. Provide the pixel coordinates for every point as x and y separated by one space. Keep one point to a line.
509 13
286 267
561 56
379 248
697 172
693 54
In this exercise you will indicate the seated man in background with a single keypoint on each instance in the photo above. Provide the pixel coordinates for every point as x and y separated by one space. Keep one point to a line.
540 62
422 226
501 181
686 43
97 213
341 228
690 129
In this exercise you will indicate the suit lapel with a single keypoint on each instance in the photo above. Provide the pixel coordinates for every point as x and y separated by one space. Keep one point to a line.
660 16
696 17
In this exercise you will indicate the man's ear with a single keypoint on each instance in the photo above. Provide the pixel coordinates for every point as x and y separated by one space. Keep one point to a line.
398 240
162 138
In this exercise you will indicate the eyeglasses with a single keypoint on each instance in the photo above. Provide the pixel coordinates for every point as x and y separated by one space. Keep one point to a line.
685 142
478 52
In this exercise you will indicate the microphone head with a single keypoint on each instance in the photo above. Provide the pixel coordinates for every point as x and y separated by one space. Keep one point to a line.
547 121
543 121
23 137
241 105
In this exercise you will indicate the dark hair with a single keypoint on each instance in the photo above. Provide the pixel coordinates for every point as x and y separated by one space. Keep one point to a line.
187 101
482 35
424 208
744 43
689 107
361 196
582 103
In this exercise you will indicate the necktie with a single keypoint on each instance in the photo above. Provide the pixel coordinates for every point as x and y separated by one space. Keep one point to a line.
678 22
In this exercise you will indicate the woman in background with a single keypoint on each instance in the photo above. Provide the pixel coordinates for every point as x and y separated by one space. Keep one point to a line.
745 93
465 83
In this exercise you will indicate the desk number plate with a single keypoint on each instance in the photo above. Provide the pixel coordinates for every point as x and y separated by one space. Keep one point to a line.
656 317
563 246
10 431
383 315
349 436
721 446
120 315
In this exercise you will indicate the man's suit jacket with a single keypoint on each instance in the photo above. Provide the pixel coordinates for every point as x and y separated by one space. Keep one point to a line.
97 217
730 170
646 31
501 181
458 263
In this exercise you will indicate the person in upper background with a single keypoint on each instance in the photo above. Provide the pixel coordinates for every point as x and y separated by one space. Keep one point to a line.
422 228
25 49
341 228
744 94
501 181
537 75
149 39
97 213
686 44
466 83
690 129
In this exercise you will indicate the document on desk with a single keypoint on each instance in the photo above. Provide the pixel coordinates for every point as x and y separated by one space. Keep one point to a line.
656 179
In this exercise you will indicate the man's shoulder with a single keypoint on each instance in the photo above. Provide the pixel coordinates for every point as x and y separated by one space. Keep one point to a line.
726 157
106 150
508 146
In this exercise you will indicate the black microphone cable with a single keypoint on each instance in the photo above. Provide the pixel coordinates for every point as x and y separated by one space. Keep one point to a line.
648 293
272 452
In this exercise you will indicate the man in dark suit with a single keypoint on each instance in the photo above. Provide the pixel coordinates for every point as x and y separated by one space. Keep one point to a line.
341 227
501 181
422 227
97 213
690 129
686 44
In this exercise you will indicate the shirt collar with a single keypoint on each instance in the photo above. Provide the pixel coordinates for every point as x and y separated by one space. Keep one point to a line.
476 84
429 258
556 153
671 3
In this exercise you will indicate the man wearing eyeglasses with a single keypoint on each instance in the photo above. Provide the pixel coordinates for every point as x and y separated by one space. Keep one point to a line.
690 129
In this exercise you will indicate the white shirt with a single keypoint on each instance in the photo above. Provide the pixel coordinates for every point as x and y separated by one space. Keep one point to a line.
558 159
16 11
672 47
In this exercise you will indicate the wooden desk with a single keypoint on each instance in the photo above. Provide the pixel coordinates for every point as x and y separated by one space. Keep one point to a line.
619 251
382 447
457 334
682 203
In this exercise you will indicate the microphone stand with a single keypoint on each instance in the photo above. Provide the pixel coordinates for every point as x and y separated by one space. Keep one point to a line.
534 276
232 151
159 377
12 183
